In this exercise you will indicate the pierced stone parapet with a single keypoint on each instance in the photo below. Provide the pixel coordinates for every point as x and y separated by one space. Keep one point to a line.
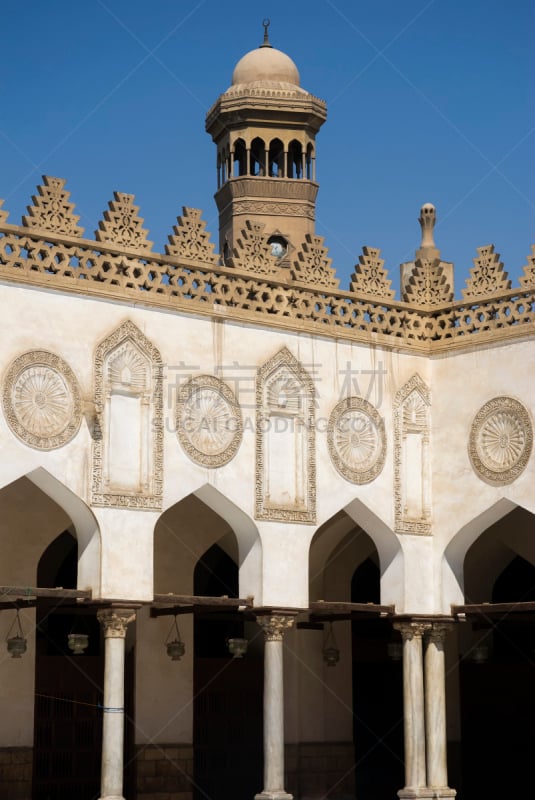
122 224
191 240
51 209
487 276
370 276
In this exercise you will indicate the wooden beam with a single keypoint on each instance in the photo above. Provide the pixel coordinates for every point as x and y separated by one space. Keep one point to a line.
33 592
320 607
200 600
493 609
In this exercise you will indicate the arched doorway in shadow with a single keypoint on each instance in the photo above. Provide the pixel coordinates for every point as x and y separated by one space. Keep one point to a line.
497 667
227 711
364 698
68 688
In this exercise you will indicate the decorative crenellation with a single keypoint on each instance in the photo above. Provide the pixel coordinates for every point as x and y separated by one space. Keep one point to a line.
41 400
122 224
190 240
356 440
208 421
528 278
275 626
51 209
128 365
313 266
285 426
252 252
115 621
3 213
501 440
487 276
412 432
428 284
370 276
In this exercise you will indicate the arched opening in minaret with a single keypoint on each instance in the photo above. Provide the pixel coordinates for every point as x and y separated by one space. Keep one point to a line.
295 159
310 163
276 159
258 157
240 158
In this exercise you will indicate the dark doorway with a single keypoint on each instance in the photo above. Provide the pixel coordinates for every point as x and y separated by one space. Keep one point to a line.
228 694
498 697
377 696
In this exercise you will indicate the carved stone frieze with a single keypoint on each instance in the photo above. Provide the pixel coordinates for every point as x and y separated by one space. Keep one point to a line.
128 439
356 440
41 400
208 421
51 210
285 441
278 208
501 440
412 480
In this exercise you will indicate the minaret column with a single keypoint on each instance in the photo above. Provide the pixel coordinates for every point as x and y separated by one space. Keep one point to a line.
274 626
114 622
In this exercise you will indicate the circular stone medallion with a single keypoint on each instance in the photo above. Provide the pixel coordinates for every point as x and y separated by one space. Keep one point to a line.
501 439
356 440
41 400
208 421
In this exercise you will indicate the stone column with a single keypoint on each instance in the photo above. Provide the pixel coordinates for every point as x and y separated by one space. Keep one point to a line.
274 627
435 711
114 622
413 709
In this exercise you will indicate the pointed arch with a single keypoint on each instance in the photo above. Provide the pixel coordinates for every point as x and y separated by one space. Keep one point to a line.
285 441
128 445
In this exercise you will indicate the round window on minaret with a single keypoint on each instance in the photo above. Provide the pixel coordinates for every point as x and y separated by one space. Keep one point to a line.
279 246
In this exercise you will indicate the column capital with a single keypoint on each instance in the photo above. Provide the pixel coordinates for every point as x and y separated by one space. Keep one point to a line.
412 630
437 631
274 625
115 621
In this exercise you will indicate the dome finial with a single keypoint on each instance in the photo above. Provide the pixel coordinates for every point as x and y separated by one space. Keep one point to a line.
266 23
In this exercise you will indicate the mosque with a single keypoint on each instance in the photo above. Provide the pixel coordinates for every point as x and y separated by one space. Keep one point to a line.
261 535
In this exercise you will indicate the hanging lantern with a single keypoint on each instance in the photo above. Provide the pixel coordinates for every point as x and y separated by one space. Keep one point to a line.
175 647
331 653
16 644
237 647
78 643
395 651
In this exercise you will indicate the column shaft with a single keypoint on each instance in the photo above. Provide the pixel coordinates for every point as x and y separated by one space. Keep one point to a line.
114 623
413 705
435 707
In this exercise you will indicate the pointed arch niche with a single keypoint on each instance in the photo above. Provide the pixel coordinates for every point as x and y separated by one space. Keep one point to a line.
128 444
285 441
412 430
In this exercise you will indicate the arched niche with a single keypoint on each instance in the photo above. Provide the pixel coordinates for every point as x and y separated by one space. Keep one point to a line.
285 441
128 443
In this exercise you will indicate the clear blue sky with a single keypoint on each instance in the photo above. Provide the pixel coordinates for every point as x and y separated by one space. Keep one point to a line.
428 101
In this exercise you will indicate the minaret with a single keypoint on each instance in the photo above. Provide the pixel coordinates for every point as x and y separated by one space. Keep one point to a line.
264 127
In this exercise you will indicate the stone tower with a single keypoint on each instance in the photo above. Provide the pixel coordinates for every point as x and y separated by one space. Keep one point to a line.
264 127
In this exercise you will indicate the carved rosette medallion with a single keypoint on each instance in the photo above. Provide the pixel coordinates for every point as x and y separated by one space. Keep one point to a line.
208 421
356 440
501 439
41 400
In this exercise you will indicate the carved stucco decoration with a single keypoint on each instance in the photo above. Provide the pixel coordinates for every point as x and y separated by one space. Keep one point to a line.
190 240
412 477
122 224
252 252
428 284
41 400
356 440
128 370
501 439
208 420
370 276
487 276
313 265
52 210
285 441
